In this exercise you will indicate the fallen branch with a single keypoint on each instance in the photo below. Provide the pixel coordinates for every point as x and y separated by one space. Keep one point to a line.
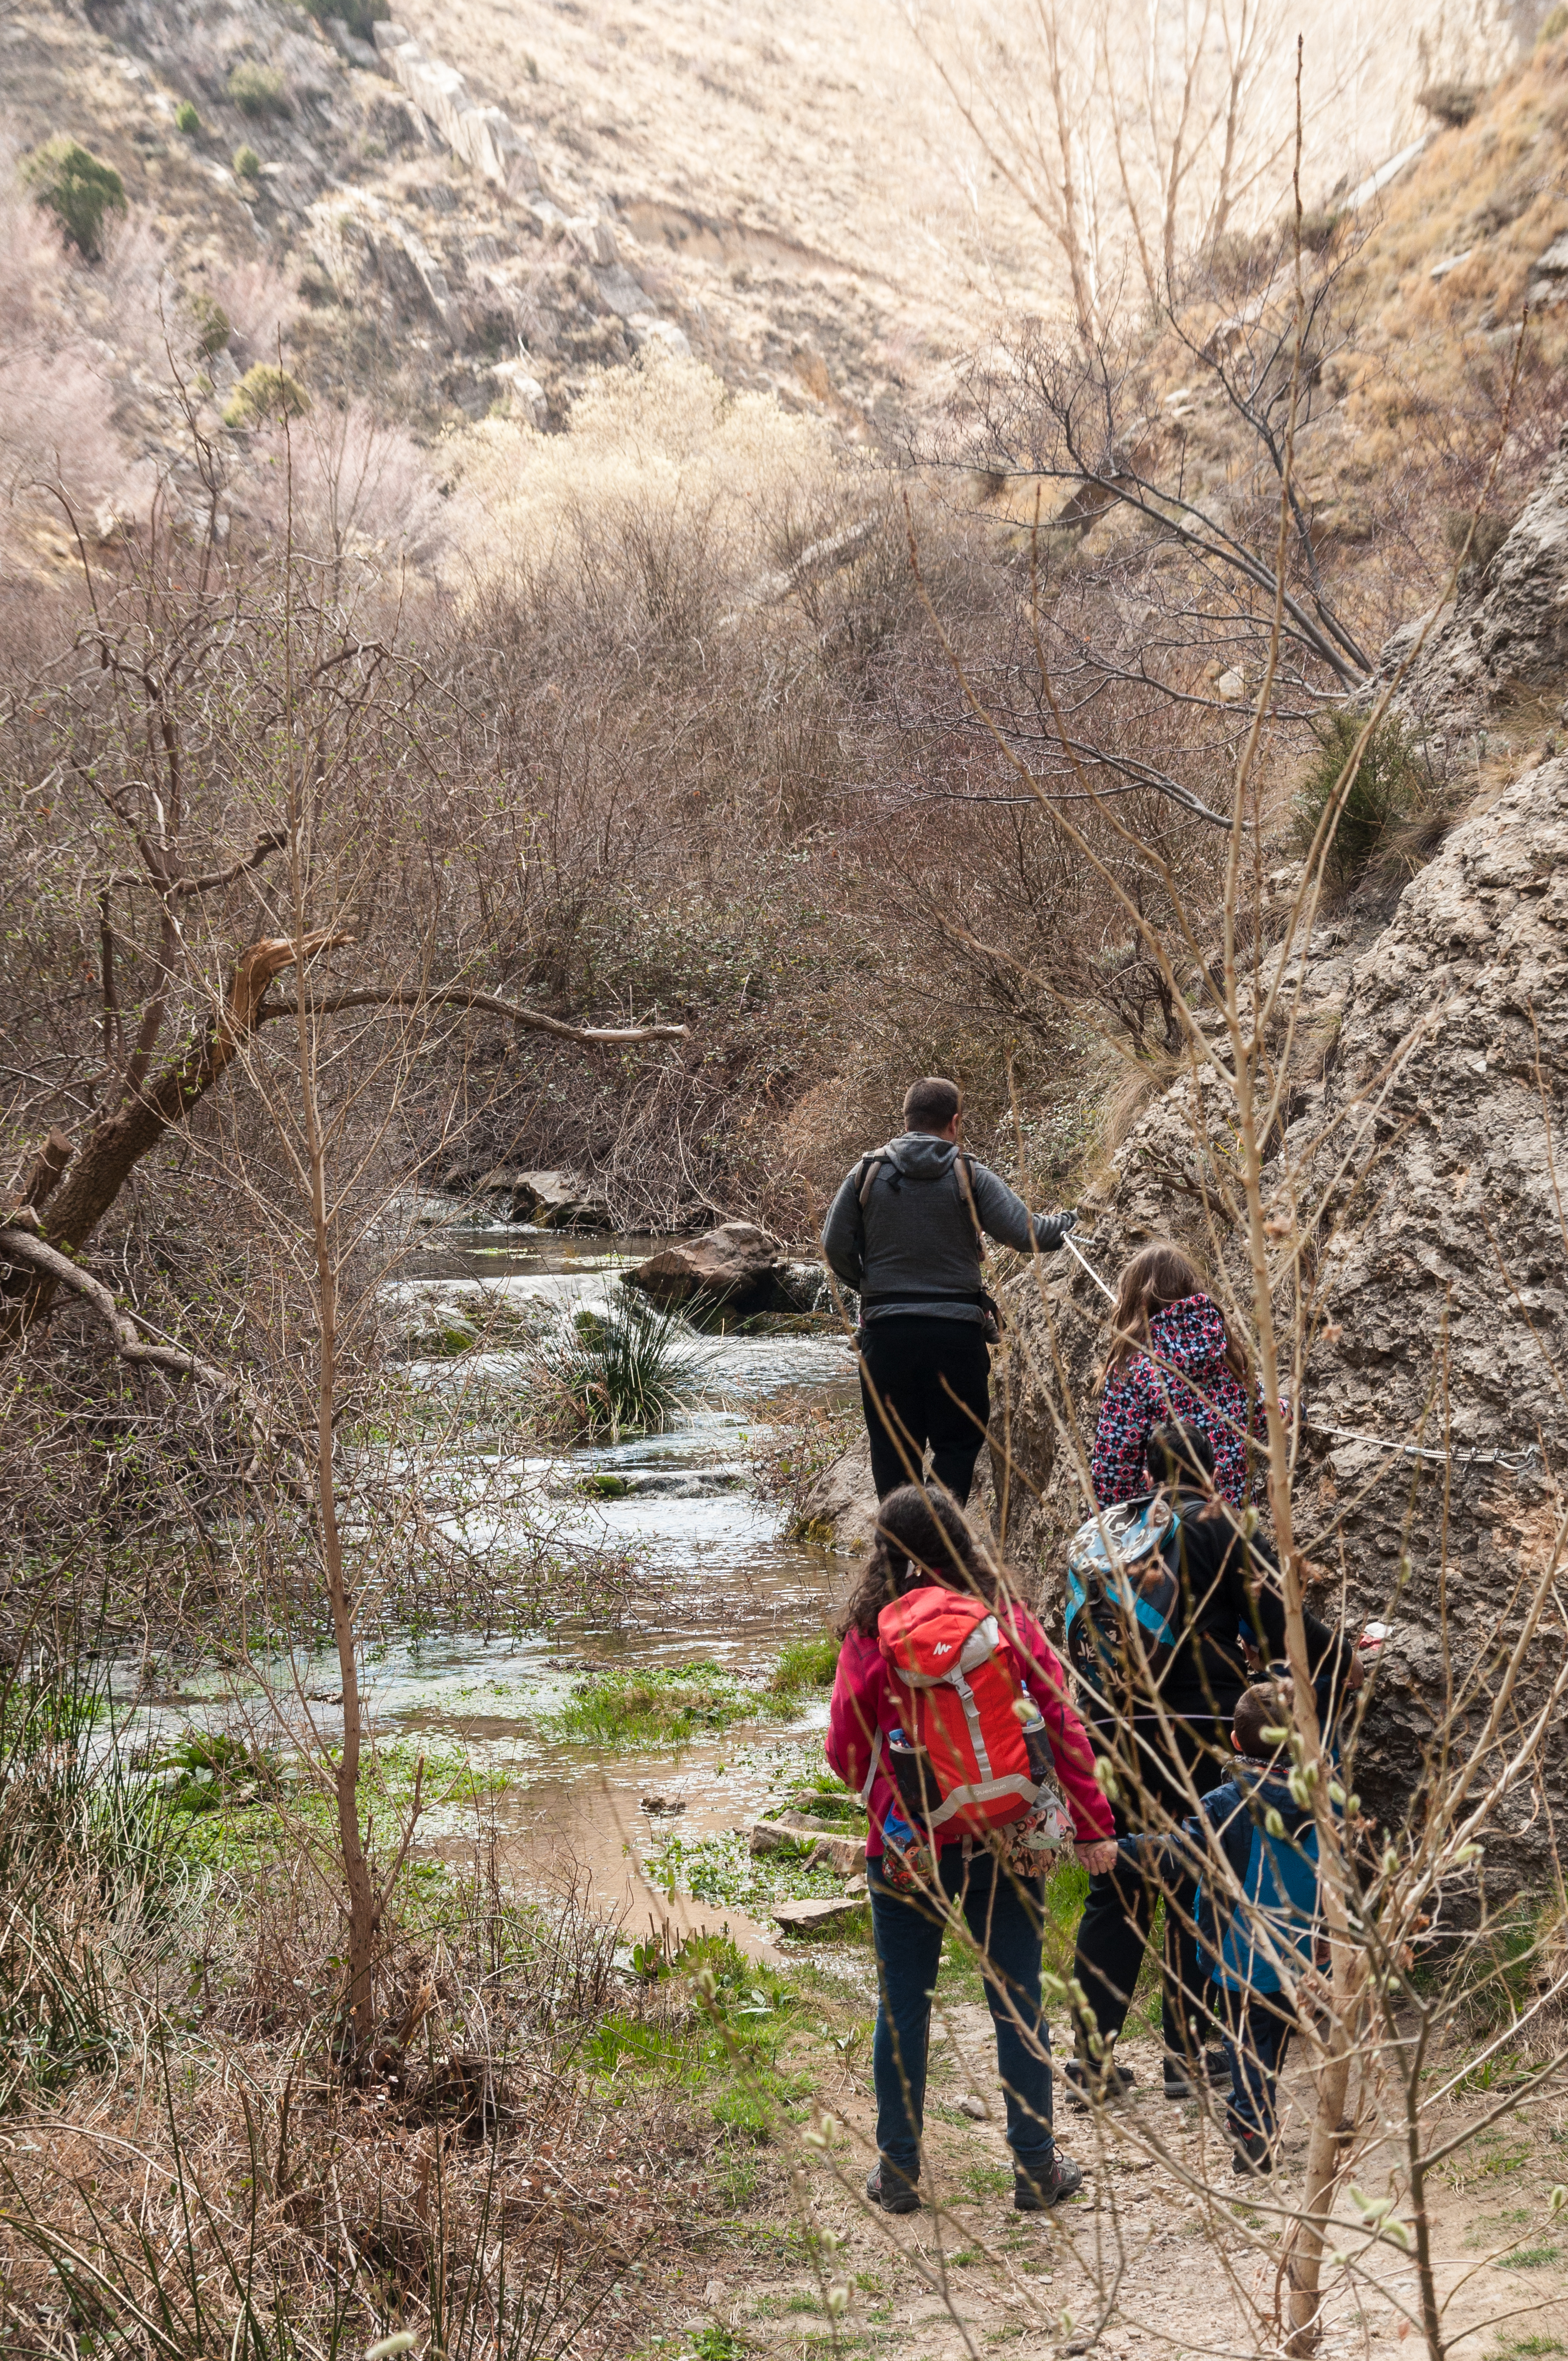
103 1162
459 996
19 1246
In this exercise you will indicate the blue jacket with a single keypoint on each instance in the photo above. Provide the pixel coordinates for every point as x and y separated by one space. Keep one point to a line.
1278 1874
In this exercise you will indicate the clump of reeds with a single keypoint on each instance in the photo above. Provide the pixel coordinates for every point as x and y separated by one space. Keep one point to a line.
622 1371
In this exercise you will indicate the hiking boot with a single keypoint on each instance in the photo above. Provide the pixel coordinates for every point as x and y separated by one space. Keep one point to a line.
1093 2086
1253 2153
1215 2070
1037 2192
888 2188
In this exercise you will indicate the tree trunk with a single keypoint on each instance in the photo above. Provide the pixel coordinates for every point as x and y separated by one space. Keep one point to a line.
104 1164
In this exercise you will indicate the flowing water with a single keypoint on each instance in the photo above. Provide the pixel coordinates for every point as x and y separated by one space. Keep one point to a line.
725 1587
716 1582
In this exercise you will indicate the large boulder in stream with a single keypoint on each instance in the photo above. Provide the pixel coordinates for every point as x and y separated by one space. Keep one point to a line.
738 1265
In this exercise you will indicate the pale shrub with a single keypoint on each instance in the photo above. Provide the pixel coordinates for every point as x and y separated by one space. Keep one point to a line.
668 501
360 495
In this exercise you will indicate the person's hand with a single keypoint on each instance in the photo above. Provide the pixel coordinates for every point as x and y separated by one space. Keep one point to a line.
1051 1232
1368 1649
1098 1856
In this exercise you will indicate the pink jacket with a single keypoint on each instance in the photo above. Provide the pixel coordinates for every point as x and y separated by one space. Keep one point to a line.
866 1698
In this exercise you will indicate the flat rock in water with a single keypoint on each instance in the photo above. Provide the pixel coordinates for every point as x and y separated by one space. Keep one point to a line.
737 1264
806 1917
840 1849
774 1835
558 1200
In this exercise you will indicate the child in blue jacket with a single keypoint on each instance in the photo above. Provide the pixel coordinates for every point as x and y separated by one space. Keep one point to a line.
1275 1868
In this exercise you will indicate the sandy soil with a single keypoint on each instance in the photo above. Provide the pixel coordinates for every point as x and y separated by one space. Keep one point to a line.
1146 2261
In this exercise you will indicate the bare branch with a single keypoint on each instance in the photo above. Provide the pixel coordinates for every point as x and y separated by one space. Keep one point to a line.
459 996
19 1245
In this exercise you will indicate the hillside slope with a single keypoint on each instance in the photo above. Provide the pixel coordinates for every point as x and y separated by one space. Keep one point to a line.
798 197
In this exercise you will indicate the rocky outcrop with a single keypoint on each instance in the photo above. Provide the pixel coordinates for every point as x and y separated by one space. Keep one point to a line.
483 136
1505 641
1421 1169
738 1265
838 1511
550 1201
488 139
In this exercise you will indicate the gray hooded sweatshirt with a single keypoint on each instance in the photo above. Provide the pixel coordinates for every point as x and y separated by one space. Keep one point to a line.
912 1245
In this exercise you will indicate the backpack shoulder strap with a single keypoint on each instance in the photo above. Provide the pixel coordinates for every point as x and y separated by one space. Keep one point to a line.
963 1165
870 1167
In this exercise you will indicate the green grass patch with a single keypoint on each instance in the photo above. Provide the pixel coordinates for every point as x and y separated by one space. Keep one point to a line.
806 1664
727 2043
1527 2259
665 1707
722 1870
983 2181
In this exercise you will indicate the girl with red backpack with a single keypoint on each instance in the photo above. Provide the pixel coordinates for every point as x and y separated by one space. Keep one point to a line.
951 1719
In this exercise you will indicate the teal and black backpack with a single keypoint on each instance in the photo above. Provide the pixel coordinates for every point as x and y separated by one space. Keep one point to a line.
1123 1594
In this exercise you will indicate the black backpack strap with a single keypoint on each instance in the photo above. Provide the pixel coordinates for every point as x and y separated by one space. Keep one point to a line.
963 1166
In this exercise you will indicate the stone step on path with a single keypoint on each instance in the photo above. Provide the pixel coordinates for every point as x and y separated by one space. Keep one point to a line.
838 1848
813 1918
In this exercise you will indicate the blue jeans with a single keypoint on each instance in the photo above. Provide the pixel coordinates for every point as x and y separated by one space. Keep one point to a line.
1258 2027
1003 1915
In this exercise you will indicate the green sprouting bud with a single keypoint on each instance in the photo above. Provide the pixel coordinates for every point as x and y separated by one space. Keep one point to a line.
1273 1823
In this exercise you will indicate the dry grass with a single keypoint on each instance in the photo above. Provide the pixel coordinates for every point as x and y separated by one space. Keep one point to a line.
221 2183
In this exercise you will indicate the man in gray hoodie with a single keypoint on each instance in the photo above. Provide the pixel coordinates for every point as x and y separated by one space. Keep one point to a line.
905 1230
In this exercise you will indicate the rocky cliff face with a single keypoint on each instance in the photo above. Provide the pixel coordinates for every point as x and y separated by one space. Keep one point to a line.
1502 647
1425 1170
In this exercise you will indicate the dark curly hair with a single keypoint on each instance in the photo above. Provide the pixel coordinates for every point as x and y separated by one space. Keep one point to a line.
922 1537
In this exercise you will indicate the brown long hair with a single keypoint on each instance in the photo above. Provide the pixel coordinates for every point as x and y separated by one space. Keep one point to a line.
921 1537
1158 1275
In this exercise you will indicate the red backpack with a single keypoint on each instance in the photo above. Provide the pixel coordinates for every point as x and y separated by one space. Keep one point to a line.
963 1682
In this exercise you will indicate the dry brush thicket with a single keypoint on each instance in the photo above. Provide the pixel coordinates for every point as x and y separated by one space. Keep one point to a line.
653 798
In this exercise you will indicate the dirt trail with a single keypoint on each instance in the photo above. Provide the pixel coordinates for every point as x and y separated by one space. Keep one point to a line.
1144 2262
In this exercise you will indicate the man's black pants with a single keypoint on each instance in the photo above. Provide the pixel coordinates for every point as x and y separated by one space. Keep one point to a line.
1113 1932
929 1380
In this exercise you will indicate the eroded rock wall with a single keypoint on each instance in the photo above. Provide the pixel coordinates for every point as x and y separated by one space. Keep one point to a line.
1425 1169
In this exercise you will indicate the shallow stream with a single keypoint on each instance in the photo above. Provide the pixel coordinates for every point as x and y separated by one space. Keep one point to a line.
722 1585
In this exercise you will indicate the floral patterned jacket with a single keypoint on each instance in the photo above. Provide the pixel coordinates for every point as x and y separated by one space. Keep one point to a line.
1183 1374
